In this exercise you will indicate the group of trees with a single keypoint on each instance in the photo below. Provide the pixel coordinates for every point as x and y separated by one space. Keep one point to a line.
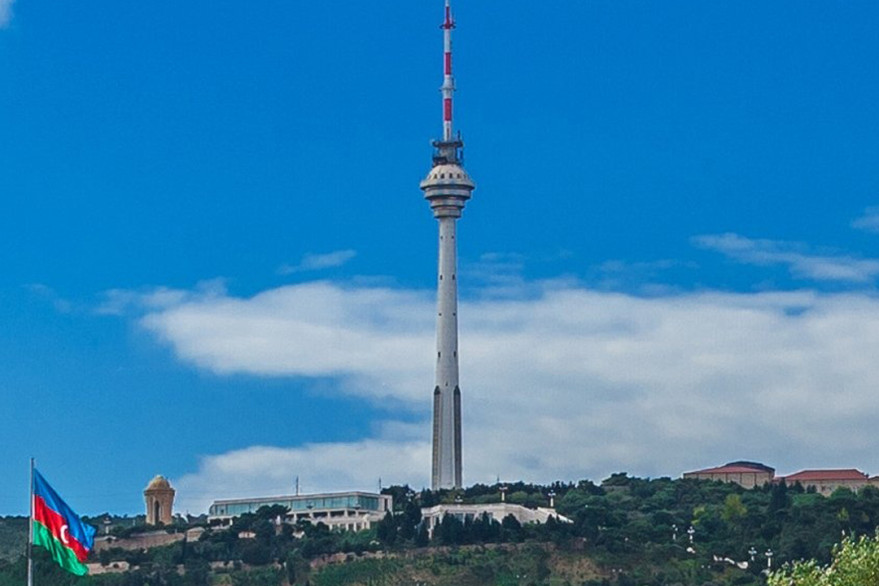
625 513
661 529
640 531
855 563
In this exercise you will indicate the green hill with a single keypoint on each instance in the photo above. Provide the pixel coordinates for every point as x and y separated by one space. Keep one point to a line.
626 531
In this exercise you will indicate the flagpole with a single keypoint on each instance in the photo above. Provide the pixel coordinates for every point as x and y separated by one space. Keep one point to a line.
30 532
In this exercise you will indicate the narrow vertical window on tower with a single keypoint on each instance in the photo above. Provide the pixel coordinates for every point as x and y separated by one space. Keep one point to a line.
447 188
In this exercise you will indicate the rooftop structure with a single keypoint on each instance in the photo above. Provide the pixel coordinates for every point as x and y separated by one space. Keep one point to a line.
159 499
351 511
447 187
850 474
826 481
754 474
743 473
433 516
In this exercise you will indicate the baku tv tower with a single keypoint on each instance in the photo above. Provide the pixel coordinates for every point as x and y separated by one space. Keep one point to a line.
447 187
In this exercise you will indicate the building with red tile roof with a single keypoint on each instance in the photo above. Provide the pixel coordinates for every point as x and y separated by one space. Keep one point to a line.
826 481
743 473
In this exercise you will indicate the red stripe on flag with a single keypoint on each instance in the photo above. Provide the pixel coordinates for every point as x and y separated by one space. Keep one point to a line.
57 526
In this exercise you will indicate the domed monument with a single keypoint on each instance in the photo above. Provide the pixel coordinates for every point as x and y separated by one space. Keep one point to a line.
159 497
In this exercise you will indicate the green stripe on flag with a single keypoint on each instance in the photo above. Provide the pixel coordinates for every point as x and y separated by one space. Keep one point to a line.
60 553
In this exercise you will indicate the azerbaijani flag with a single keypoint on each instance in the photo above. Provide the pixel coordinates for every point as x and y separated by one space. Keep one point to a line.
59 529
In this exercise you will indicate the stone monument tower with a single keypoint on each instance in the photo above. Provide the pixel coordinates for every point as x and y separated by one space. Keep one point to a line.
159 497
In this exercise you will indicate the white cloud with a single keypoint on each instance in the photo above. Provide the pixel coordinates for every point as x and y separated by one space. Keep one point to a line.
5 12
121 301
266 471
869 221
566 384
315 329
802 263
316 262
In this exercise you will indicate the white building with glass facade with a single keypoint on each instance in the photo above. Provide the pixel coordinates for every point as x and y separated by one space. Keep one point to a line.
346 511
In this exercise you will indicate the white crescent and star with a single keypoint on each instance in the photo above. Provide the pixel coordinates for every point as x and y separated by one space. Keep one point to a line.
64 535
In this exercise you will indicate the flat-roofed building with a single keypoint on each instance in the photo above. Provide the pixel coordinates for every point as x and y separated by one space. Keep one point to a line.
433 516
743 473
826 481
348 511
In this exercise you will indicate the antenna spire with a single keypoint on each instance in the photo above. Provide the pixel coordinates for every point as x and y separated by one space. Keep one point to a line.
448 87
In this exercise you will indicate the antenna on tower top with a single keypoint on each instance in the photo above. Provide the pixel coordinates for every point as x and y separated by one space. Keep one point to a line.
448 148
448 87
450 22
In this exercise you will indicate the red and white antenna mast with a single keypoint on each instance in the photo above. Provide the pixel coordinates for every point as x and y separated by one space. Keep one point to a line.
448 87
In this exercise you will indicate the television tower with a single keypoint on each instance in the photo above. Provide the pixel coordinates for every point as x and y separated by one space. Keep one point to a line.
447 187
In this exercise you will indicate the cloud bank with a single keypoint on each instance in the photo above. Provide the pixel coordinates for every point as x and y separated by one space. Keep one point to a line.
567 383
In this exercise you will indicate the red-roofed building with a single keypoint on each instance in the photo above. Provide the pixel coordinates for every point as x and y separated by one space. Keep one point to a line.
826 481
746 474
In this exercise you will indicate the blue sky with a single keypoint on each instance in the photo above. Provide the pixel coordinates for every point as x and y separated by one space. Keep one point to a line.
217 265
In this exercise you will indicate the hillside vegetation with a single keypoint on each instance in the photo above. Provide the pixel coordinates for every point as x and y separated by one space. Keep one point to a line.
625 531
13 535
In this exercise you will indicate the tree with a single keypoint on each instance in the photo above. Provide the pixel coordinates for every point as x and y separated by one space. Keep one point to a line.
296 567
733 509
450 531
422 536
387 529
511 529
272 512
855 563
255 553
779 499
198 573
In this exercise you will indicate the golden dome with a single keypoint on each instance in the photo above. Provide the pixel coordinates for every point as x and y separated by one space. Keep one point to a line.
159 483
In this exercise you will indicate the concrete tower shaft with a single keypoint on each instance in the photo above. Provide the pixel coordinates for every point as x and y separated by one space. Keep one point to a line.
447 187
